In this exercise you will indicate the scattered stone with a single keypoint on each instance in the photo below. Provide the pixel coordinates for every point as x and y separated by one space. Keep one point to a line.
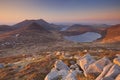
85 50
67 56
100 51
58 53
72 62
74 66
1 65
77 57
118 55
17 35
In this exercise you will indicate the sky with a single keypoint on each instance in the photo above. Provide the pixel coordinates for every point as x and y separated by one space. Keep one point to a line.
60 11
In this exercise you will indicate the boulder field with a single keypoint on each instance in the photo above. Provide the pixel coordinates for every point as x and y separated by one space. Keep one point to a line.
102 69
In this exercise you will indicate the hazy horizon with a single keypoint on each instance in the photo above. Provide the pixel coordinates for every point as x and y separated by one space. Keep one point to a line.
69 23
61 11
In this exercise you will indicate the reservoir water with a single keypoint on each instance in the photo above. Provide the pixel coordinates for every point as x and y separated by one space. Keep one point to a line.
85 37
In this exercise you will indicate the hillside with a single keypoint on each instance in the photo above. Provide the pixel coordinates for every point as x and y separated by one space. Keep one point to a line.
113 34
32 37
5 28
80 29
41 22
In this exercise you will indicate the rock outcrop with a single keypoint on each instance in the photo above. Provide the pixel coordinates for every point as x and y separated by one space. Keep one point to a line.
103 69
59 65
110 72
113 72
97 66
85 61
63 72
52 75
60 70
72 75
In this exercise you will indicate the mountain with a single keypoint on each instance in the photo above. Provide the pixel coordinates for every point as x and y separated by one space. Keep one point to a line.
41 22
29 35
58 27
5 28
80 29
35 27
31 28
112 35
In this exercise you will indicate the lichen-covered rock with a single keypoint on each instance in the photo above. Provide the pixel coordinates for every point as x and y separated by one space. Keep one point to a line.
59 65
63 74
55 74
73 75
85 61
97 67
113 72
52 75
105 70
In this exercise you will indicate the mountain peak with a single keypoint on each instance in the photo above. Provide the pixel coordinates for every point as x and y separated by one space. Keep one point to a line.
41 22
36 26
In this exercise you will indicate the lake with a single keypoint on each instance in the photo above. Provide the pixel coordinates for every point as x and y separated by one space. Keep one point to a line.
86 37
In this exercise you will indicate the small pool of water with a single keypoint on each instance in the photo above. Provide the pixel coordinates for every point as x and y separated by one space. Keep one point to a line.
65 28
86 37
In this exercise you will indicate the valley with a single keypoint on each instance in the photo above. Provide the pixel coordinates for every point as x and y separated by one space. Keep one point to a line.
31 50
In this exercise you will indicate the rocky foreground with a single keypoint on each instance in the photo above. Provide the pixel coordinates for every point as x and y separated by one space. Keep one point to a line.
87 65
62 65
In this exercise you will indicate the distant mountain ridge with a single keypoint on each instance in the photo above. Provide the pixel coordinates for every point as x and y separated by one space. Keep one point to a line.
41 27
6 28
78 29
